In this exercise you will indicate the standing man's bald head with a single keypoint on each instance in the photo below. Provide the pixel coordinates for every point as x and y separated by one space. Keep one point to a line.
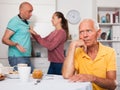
25 10
22 5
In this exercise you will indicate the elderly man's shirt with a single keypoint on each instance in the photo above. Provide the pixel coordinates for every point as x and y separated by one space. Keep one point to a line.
104 61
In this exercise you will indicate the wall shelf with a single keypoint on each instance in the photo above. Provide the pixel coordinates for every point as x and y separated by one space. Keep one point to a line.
109 22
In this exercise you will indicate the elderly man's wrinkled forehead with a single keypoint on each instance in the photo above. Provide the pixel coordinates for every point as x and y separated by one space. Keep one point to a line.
88 23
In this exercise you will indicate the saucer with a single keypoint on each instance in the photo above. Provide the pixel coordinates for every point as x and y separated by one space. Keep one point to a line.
13 76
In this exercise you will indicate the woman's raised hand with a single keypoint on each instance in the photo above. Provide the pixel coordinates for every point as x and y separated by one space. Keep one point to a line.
32 31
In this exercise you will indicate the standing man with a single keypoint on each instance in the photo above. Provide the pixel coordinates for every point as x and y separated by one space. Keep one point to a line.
17 36
90 61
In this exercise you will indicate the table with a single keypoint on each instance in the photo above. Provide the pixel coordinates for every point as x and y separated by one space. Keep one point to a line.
49 82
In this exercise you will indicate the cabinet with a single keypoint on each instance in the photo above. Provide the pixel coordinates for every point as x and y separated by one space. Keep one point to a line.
109 22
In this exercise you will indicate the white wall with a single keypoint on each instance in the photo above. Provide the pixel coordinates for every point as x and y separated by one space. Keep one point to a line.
108 3
85 7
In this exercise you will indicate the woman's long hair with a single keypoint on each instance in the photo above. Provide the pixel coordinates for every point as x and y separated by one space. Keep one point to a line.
64 23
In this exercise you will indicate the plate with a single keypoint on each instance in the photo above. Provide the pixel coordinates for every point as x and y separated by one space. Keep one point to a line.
13 76
2 78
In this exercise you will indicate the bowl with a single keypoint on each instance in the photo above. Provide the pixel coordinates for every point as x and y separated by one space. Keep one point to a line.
12 76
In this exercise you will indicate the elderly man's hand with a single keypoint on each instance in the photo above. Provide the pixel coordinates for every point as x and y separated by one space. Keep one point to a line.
82 78
79 43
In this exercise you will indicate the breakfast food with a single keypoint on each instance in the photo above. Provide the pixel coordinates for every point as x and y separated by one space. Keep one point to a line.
37 74
13 72
1 75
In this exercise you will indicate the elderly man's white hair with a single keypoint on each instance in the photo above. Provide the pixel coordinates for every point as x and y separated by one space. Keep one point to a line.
96 25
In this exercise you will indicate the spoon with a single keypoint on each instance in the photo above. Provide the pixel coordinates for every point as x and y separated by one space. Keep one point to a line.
37 81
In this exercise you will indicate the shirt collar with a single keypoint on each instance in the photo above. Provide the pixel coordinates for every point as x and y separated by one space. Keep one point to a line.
101 52
24 20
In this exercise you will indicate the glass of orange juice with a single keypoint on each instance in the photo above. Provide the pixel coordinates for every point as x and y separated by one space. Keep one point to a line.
37 74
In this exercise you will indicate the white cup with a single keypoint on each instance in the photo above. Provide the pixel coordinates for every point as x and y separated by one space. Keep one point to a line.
6 70
24 73
0 70
22 65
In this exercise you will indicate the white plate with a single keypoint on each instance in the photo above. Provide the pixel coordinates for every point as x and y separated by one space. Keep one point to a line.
13 76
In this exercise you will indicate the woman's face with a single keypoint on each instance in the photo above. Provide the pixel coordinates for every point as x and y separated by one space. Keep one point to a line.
55 20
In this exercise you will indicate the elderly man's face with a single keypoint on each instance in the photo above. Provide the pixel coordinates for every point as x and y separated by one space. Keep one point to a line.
88 33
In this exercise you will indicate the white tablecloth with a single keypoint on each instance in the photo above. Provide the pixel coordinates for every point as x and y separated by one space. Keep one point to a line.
49 82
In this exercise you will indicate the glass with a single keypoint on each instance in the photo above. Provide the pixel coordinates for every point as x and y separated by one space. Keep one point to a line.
37 74
24 73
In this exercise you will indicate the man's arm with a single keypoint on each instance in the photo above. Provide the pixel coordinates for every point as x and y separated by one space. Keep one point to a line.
6 38
109 82
68 69
68 65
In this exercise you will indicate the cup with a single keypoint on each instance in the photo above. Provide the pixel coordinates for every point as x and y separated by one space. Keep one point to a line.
19 65
0 70
24 73
6 70
22 65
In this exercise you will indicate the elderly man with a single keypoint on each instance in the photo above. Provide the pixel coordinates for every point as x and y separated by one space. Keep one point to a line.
89 60
17 36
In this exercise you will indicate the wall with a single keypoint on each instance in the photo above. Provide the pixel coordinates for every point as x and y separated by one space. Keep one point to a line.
87 9
108 3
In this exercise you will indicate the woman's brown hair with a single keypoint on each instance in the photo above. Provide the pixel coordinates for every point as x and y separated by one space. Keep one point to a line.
64 23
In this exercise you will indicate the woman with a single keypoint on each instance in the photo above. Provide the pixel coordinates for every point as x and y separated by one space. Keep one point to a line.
54 42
